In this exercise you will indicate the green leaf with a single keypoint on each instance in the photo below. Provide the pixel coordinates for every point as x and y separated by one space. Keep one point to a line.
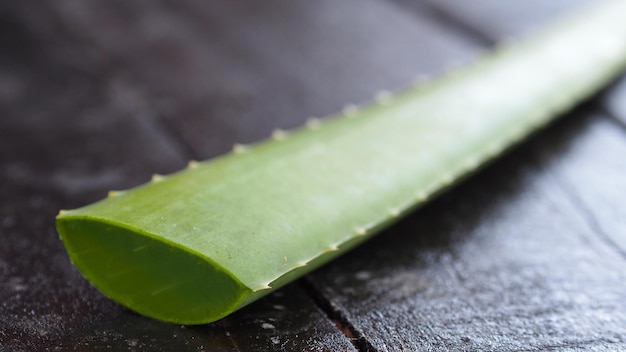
195 246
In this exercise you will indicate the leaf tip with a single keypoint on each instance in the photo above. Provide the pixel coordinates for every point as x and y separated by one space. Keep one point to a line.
300 265
331 248
471 163
447 179
361 230
239 148
422 196
383 97
517 134
394 212
350 110
495 148
279 134
313 123
264 287
113 194
157 178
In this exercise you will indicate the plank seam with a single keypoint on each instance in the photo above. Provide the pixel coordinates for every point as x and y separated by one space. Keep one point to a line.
334 314
467 31
587 215
602 109
451 22
163 128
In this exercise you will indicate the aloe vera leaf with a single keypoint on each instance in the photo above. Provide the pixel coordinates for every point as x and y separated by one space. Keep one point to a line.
197 245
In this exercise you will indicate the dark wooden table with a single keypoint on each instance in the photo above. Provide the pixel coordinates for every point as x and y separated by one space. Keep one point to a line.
529 254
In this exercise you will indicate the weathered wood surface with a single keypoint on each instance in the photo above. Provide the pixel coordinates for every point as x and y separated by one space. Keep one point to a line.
496 21
73 126
225 73
527 255
523 268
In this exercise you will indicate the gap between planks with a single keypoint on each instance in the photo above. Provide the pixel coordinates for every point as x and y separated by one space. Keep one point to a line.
337 317
602 109
578 203
459 28
465 32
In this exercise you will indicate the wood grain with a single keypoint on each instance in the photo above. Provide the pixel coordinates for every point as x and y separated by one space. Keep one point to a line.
496 21
479 280
505 262
614 101
72 128
591 169
527 255
223 73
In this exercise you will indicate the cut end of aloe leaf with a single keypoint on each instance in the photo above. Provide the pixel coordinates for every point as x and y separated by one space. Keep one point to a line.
197 245
149 275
